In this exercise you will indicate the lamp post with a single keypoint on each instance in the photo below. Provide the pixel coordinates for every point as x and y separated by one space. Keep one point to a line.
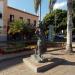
40 11
55 21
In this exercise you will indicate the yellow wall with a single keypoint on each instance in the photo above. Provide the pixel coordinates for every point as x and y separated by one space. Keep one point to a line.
18 13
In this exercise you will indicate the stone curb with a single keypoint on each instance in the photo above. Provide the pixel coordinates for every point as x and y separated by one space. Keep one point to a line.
10 56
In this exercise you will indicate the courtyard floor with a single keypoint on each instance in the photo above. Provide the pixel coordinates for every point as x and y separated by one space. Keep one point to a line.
16 66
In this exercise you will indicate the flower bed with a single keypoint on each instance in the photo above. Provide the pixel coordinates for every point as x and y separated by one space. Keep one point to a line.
14 47
56 44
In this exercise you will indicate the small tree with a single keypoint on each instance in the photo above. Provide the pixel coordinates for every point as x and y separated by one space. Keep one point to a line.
28 31
16 26
15 29
22 28
60 23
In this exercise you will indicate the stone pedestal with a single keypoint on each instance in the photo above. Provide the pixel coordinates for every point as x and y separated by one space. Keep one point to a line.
41 67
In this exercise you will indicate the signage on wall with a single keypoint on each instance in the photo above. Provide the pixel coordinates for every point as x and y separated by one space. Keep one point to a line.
1 14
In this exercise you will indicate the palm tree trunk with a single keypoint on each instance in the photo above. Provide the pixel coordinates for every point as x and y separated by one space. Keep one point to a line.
40 11
69 26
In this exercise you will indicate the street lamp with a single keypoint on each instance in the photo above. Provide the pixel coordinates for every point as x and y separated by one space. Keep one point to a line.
55 20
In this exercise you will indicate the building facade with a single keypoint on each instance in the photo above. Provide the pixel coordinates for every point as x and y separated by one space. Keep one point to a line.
8 14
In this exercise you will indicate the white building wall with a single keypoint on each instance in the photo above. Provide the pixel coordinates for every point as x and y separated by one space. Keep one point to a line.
2 37
1 11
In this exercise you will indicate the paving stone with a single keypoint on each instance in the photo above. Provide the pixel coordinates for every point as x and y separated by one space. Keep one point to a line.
17 67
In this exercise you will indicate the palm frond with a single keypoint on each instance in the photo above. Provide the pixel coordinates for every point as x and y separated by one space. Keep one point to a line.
51 4
36 5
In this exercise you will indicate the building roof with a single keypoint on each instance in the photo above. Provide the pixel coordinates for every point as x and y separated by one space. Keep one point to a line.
22 11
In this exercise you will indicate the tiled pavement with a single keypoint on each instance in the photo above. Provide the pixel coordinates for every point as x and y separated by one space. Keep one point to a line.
17 67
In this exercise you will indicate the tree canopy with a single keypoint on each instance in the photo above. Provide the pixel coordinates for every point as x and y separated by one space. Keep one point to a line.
60 17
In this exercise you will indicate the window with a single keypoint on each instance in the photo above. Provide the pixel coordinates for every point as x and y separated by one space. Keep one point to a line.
28 20
34 22
0 15
11 18
21 18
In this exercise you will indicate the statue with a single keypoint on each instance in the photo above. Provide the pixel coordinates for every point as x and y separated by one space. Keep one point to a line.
38 54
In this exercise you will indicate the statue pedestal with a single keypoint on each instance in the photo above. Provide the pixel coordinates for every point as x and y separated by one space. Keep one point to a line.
40 67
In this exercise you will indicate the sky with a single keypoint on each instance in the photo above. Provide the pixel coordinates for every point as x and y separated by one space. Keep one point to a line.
28 5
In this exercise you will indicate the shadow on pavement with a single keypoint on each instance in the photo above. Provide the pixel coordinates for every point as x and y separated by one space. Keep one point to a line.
5 64
18 60
57 62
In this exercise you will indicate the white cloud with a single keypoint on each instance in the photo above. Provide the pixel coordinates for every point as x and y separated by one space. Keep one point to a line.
24 9
60 5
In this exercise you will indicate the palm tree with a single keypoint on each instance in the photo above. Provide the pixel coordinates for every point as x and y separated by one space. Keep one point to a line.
69 25
74 5
51 4
37 3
